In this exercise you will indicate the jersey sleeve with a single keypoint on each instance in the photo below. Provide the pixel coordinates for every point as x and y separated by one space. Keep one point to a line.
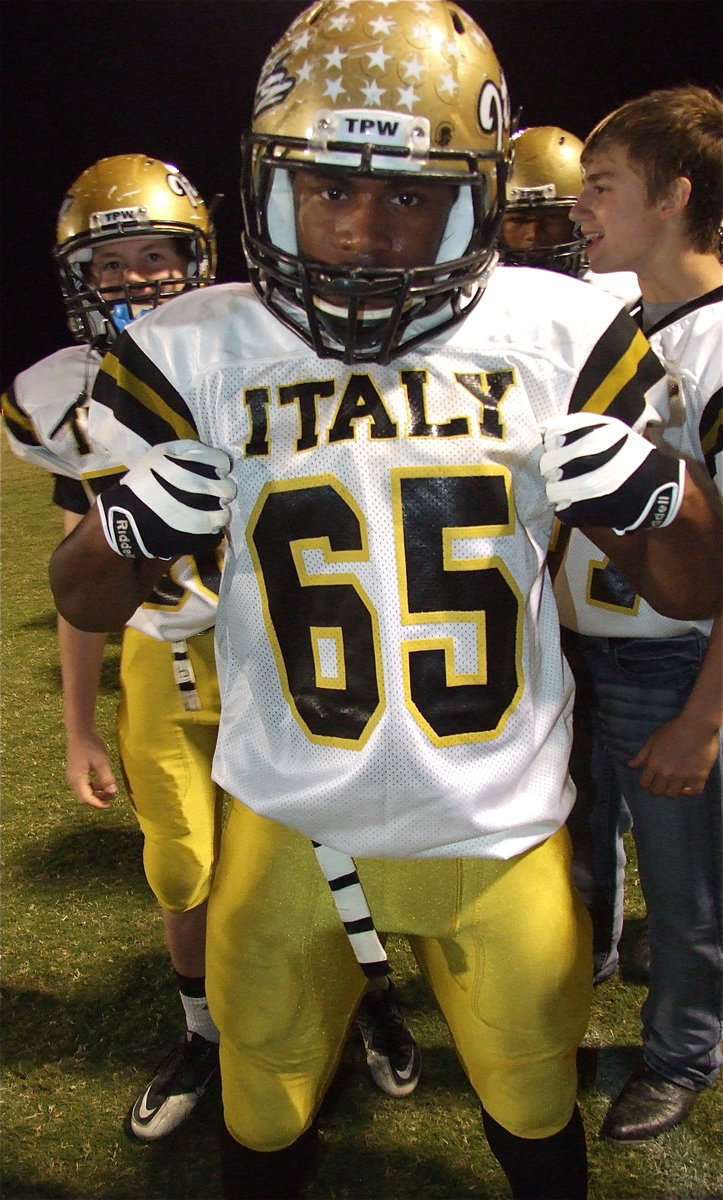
134 405
622 377
23 438
18 425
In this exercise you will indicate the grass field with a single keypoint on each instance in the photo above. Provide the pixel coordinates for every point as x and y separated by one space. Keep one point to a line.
89 1005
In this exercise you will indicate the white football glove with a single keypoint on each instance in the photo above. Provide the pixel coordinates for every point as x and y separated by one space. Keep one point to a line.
599 471
173 501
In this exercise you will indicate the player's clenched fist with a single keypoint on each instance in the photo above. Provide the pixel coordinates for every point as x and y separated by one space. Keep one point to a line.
174 501
598 471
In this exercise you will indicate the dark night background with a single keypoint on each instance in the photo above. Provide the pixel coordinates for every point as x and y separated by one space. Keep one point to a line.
82 79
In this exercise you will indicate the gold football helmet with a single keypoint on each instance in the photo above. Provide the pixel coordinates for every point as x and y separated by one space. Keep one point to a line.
544 184
376 89
128 196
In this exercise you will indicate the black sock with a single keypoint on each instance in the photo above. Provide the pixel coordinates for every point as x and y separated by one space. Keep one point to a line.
190 986
266 1175
552 1168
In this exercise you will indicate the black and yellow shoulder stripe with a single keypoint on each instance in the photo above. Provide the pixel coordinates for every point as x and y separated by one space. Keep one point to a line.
619 370
140 396
17 421
711 430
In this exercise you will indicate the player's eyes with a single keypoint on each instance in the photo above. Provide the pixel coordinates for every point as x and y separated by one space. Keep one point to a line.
333 193
407 199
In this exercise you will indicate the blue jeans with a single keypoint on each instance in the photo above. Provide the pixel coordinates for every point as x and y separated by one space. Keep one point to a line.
635 685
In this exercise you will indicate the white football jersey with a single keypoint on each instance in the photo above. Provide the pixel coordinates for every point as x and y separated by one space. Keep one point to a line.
391 676
45 412
622 284
593 597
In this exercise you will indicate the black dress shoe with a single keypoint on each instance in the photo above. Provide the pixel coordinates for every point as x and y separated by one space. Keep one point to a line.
647 1105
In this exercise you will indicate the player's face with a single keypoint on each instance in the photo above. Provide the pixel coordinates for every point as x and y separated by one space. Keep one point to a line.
536 228
359 221
135 261
621 226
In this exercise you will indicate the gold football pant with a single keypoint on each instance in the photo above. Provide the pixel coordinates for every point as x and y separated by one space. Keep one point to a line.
504 946
166 753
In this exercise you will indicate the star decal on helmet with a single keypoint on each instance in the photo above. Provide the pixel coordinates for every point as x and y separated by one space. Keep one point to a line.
407 98
373 94
333 88
413 69
335 59
448 84
377 58
340 22
382 25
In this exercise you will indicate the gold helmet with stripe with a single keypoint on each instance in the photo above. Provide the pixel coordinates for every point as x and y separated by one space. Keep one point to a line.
378 89
544 183
128 196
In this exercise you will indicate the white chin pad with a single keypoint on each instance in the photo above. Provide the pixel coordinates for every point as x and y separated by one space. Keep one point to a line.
341 311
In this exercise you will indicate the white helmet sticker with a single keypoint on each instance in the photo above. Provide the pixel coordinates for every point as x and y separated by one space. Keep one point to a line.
99 221
180 186
493 109
364 126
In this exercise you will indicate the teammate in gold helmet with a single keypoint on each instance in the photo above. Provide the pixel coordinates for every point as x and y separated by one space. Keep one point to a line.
132 232
545 182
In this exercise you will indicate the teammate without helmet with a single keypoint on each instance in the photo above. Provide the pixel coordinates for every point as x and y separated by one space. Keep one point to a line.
651 204
389 645
129 196
545 182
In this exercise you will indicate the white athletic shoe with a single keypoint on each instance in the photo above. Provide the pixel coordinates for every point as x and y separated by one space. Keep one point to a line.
176 1088
392 1054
